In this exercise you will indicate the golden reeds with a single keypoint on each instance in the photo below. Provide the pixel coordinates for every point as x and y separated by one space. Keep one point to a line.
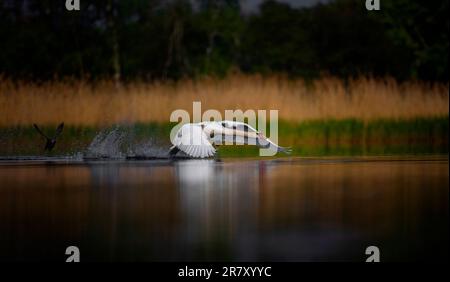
81 103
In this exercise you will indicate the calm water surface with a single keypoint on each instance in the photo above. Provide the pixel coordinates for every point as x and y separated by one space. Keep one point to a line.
241 210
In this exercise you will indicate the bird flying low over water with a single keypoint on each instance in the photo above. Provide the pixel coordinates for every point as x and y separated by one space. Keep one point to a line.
198 140
51 142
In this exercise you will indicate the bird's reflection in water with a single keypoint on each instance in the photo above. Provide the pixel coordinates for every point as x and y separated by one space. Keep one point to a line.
194 173
216 202
221 205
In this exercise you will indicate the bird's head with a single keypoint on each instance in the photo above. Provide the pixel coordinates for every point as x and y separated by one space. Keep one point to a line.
227 124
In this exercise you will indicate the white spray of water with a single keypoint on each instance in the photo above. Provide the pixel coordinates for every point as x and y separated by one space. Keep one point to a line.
118 143
106 145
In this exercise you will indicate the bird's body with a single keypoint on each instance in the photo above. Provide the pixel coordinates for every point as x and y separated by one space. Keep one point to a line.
198 140
50 142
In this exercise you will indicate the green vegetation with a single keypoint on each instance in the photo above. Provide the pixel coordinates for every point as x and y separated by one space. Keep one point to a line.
313 138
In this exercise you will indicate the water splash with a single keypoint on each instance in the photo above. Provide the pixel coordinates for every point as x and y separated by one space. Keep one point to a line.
120 143
148 150
106 144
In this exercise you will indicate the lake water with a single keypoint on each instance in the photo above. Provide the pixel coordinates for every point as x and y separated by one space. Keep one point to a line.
289 209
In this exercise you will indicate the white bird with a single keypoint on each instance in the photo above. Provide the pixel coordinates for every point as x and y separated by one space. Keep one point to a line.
198 140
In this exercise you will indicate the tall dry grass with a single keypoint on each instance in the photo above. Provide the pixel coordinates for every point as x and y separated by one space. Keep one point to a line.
81 103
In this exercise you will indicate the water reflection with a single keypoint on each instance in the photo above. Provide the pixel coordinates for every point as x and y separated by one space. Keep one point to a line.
218 202
296 209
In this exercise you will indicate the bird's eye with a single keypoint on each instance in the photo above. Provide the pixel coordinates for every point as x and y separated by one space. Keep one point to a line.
224 124
211 135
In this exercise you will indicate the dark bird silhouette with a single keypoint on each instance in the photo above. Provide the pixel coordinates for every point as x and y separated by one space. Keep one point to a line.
51 142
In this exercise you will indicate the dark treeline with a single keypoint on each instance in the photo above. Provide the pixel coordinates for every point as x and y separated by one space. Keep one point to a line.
156 39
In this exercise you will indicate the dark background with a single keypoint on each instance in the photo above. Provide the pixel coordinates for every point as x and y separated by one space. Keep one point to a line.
154 39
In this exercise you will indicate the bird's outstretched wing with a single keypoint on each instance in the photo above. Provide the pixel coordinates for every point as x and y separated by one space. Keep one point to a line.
59 129
40 132
193 141
264 142
236 137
